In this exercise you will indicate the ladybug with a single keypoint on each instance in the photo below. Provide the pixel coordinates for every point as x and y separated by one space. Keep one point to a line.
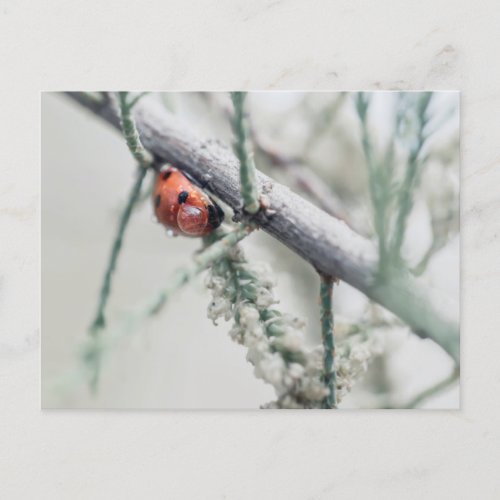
183 207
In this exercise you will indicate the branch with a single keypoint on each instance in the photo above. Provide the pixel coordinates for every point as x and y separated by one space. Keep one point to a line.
248 178
326 293
144 158
99 322
325 242
378 183
432 391
130 131
405 195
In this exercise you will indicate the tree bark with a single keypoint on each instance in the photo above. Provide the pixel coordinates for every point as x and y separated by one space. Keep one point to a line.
322 240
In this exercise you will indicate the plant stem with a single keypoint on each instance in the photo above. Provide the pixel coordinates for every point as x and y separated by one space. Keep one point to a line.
99 322
405 195
248 177
435 389
144 159
378 184
330 377
130 132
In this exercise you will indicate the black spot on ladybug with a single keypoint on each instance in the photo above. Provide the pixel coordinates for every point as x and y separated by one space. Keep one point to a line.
183 196
157 201
215 215
166 175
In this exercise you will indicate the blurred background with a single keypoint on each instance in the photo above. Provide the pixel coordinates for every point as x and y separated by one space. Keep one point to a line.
179 359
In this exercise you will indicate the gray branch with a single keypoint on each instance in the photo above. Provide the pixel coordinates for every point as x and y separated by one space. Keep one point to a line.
325 242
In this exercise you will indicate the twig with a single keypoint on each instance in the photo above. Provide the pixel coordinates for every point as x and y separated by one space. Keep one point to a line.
100 318
435 246
135 99
303 177
435 389
322 123
248 177
130 132
144 159
326 298
379 188
325 242
405 195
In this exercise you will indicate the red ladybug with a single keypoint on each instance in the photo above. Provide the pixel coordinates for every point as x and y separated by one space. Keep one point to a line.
183 207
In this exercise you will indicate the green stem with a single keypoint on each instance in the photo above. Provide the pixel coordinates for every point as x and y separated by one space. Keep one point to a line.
99 322
435 389
330 376
144 159
130 131
377 182
248 176
405 195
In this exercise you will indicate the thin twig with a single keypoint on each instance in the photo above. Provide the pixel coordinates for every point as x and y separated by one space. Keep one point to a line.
303 177
379 189
405 194
136 99
435 246
130 131
432 391
100 319
326 118
248 177
99 322
144 159
327 325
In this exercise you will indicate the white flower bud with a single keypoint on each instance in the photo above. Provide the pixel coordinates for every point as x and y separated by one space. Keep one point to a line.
219 306
265 298
249 315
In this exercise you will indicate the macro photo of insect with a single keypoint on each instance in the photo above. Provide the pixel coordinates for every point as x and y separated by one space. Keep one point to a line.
260 250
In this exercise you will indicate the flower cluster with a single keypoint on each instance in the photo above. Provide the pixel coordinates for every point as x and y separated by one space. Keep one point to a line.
243 292
353 356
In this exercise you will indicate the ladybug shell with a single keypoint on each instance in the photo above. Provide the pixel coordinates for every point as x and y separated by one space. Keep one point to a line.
183 207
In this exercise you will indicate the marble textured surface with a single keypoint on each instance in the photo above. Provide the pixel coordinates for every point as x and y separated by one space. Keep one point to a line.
266 44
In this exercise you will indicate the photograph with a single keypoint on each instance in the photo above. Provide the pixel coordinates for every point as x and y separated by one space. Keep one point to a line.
211 212
250 250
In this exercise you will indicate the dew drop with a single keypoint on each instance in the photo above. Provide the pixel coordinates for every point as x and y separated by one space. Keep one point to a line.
171 233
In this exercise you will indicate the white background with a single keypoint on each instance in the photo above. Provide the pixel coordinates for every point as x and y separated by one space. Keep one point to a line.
226 45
